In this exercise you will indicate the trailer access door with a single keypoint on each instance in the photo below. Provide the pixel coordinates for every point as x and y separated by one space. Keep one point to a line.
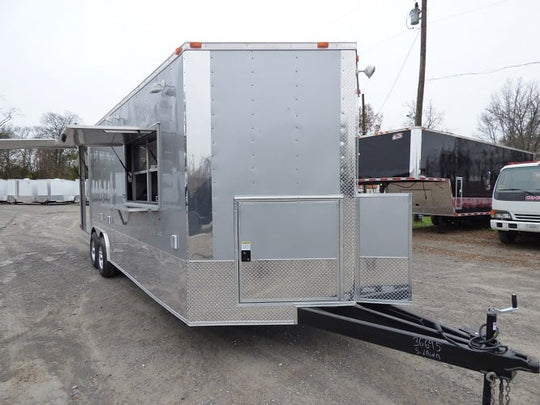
288 248
384 248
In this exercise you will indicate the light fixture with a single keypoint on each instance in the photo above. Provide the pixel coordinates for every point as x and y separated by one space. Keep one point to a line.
368 71
157 87
414 15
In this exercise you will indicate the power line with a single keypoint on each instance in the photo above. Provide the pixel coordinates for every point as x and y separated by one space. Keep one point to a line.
484 72
432 22
399 73
469 11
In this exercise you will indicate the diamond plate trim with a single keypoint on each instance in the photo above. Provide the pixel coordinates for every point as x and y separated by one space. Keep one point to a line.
384 279
212 298
349 130
285 280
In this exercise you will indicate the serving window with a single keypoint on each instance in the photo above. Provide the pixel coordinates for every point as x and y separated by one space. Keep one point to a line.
142 170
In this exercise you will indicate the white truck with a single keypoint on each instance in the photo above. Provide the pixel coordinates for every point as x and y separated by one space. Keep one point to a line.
516 201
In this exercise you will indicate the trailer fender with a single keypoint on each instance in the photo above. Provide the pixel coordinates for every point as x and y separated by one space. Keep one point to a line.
103 235
104 266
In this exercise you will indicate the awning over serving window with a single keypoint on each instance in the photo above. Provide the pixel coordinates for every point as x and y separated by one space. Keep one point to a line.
78 135
28 143
81 135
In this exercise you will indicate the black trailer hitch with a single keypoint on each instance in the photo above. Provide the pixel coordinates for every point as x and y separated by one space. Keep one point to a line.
399 329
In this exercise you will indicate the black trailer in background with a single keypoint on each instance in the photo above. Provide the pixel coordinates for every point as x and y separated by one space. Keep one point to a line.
449 176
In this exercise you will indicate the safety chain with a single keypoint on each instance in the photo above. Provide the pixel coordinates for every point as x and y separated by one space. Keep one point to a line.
504 389
507 391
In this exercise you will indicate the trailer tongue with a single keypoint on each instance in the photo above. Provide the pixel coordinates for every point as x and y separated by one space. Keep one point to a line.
399 329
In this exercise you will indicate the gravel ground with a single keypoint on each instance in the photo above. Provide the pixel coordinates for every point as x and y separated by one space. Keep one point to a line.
69 336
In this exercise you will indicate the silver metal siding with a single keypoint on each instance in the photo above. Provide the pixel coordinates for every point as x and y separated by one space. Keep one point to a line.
275 129
141 241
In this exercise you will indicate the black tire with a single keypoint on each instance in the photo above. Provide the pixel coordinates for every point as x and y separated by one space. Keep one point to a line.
507 236
105 268
94 246
436 220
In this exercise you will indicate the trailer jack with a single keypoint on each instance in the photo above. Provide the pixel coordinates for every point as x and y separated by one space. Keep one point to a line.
399 329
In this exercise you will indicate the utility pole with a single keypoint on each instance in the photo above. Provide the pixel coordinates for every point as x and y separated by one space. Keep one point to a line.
422 70
363 116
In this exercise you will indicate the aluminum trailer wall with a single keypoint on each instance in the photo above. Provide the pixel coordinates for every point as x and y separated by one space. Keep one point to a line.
239 203
62 190
26 191
11 190
43 190
448 175
3 190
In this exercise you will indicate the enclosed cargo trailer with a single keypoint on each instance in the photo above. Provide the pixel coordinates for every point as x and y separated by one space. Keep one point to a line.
225 186
63 190
3 190
449 176
25 191
11 190
43 190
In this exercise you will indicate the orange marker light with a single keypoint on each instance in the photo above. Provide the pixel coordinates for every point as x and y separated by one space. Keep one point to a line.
322 44
195 44
178 50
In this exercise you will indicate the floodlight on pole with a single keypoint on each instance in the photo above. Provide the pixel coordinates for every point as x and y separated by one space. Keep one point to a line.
368 71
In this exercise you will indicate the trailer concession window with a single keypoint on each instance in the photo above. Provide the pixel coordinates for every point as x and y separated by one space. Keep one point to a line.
142 169
140 160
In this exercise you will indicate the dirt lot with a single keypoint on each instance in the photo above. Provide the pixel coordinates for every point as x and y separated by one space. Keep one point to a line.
70 336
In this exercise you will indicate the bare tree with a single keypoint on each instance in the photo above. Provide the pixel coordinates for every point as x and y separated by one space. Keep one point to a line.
16 163
58 162
6 156
53 124
6 116
431 117
373 120
512 117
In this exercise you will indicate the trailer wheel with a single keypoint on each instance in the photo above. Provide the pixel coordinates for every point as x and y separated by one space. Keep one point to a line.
436 220
105 268
507 236
94 247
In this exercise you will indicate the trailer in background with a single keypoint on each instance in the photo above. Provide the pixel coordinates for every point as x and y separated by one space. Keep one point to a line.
3 190
25 191
450 177
11 190
63 191
41 191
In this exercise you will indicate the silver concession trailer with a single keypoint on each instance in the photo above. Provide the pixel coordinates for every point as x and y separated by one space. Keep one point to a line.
225 186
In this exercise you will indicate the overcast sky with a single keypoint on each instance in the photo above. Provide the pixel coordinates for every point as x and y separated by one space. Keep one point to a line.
85 56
